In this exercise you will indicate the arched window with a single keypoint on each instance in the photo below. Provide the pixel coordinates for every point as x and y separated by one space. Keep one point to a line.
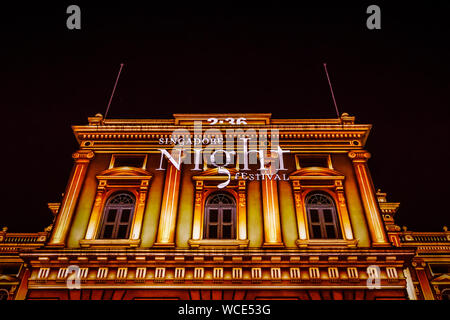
445 294
4 294
117 216
322 216
220 216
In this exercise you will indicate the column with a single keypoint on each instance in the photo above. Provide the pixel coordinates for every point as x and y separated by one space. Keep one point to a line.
423 280
21 293
167 219
272 227
369 198
409 285
62 223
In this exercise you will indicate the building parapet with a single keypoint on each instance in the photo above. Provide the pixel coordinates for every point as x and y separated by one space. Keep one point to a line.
14 242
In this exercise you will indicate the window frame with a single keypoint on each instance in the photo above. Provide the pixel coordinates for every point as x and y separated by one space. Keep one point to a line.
220 223
117 221
135 181
112 163
325 156
446 292
330 181
321 215
206 184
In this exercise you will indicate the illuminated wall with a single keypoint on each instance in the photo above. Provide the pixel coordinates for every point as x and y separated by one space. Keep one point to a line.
136 217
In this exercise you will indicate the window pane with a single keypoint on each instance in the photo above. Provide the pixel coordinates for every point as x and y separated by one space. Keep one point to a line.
213 232
328 215
331 234
129 161
314 214
311 161
446 294
107 233
122 198
226 232
122 232
111 215
440 268
125 215
213 215
226 215
316 234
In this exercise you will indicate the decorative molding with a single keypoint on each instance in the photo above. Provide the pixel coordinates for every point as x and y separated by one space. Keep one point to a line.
105 243
212 243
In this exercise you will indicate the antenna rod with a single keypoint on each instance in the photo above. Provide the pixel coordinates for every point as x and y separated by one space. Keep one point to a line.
331 89
114 89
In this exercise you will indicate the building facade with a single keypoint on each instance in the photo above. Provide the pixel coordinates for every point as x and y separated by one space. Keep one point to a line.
223 206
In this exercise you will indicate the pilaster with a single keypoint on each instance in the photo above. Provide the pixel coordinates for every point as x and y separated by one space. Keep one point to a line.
167 220
82 159
369 199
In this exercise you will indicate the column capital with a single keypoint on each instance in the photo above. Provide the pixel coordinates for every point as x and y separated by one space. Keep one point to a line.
83 155
359 155
418 264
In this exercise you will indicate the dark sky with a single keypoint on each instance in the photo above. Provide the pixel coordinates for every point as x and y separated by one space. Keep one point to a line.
226 58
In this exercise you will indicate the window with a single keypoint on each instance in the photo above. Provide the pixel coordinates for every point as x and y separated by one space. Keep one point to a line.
322 217
117 216
445 294
220 216
11 269
136 161
439 268
308 161
4 294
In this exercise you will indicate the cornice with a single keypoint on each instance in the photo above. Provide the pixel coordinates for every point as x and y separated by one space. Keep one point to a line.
296 134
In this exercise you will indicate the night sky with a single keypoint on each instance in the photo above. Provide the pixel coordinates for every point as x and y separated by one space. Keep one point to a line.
225 58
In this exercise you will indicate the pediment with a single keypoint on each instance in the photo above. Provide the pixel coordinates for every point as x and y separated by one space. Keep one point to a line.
443 277
123 172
